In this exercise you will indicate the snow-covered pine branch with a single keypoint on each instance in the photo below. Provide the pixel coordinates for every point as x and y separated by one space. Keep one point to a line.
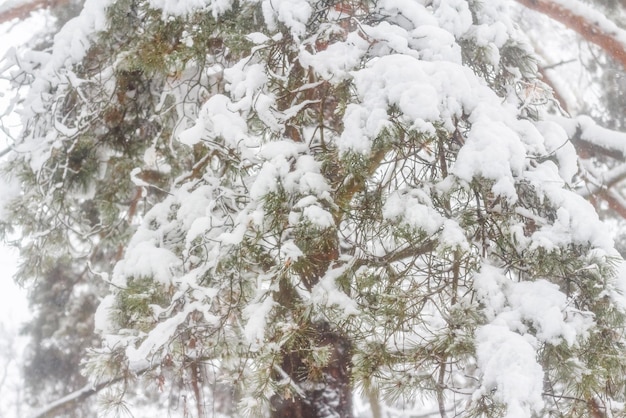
301 199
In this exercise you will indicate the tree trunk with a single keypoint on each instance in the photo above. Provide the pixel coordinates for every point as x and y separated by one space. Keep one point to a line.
327 395
586 26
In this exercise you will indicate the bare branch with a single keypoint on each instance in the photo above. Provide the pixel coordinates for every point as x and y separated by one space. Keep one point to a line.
600 187
558 96
605 180
586 21
410 251
72 399
5 151
615 201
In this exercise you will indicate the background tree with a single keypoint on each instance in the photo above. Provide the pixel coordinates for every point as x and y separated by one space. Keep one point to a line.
588 79
62 300
308 199
11 391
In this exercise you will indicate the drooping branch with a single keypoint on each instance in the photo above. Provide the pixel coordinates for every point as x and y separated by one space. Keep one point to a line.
587 21
74 398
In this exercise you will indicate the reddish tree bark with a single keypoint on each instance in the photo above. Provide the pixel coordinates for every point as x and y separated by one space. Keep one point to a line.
327 395
581 24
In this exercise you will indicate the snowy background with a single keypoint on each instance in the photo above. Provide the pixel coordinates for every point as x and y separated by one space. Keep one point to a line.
13 305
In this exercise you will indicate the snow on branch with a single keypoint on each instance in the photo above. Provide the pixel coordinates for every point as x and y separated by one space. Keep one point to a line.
587 21
73 398
590 139
54 408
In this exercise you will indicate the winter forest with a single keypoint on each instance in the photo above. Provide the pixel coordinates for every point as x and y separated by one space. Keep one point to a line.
317 208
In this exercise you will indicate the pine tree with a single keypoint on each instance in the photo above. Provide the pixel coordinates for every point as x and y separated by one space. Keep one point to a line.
303 200
589 80
62 298
609 111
